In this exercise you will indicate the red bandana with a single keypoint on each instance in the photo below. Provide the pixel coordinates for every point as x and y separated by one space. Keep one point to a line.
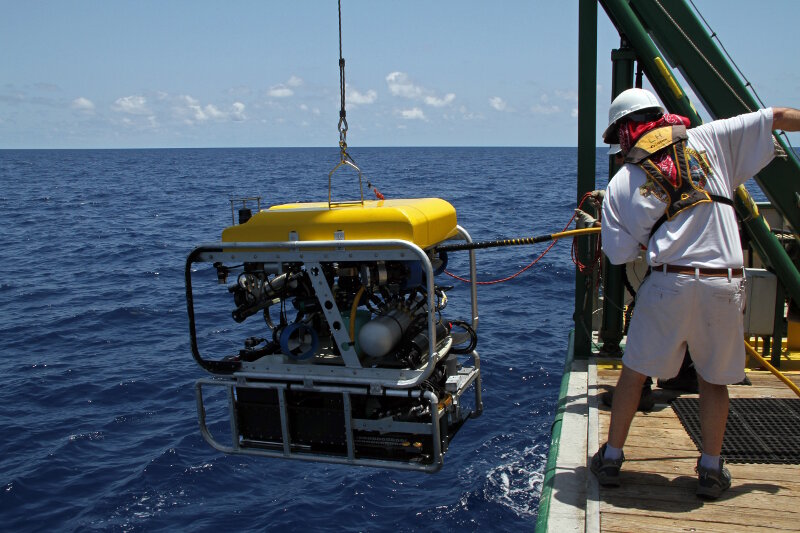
630 131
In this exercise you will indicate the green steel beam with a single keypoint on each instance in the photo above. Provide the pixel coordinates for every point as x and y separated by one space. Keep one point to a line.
587 152
686 42
650 58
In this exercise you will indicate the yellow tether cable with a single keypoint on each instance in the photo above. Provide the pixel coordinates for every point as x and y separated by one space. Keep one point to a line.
764 362
575 233
519 241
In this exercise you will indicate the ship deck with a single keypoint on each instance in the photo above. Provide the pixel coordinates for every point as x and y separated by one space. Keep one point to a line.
658 477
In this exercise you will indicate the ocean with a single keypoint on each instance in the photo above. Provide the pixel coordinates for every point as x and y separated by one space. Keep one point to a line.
98 425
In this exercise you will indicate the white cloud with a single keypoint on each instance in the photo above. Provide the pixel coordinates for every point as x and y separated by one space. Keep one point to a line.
191 106
312 110
467 114
401 85
557 101
212 111
284 90
140 122
440 102
544 109
497 103
237 114
133 105
82 104
191 111
569 96
280 91
413 114
356 97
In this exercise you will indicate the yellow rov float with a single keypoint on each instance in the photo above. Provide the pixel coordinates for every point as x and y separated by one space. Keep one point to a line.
352 361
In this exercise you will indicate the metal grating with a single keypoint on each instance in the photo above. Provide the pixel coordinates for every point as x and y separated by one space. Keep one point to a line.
759 430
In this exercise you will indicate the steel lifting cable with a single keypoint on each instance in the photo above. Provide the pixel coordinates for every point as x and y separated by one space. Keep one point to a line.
715 36
342 112
714 70
345 158
702 56
747 82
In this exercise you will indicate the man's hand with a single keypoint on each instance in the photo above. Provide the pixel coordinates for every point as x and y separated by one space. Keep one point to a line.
585 220
786 119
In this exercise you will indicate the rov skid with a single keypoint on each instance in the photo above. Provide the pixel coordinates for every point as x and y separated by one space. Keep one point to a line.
345 356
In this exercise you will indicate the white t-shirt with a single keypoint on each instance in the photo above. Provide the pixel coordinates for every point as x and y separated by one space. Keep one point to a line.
707 234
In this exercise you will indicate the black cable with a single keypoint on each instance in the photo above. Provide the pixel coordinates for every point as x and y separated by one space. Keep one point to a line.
473 343
494 244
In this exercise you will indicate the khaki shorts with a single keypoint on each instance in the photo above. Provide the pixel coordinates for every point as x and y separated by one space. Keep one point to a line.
676 311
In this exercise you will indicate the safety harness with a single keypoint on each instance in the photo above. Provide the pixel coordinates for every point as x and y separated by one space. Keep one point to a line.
684 189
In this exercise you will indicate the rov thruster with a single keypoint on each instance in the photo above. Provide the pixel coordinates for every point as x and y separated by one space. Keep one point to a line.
344 353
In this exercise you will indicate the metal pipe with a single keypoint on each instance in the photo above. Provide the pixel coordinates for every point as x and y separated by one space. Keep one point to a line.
587 153
611 328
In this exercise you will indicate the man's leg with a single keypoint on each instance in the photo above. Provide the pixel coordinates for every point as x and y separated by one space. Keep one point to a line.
713 415
712 476
626 401
607 461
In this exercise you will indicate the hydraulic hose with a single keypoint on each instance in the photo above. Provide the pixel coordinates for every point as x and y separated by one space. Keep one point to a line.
353 309
518 242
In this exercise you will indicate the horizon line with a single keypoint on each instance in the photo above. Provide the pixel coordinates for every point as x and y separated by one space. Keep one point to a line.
290 147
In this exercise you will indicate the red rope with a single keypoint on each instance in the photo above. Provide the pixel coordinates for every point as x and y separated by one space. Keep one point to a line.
509 277
587 269
583 268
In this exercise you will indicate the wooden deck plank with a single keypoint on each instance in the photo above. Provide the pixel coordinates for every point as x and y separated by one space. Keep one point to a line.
616 522
658 478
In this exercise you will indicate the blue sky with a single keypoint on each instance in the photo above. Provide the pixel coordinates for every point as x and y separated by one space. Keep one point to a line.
109 74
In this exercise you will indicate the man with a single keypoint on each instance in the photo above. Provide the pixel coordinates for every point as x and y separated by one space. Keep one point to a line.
674 196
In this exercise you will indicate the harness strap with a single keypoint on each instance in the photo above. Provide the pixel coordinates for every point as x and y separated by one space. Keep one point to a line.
664 217
684 193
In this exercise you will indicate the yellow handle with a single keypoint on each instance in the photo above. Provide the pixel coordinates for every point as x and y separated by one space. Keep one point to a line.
574 233
751 351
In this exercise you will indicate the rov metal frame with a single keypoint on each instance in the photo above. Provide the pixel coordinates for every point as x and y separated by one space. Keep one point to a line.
350 379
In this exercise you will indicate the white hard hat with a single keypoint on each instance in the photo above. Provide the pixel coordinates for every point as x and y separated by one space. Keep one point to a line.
627 102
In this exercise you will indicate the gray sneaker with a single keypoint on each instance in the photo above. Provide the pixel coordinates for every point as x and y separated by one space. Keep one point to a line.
606 470
711 483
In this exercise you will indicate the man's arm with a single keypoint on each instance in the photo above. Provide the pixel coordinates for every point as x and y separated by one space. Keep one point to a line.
786 119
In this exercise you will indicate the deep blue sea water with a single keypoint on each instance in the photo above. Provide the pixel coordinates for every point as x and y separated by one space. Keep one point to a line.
98 424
